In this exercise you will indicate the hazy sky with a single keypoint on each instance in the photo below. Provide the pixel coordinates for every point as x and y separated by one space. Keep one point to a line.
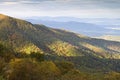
72 8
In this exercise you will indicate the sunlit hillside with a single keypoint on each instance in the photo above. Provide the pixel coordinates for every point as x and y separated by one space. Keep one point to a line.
36 52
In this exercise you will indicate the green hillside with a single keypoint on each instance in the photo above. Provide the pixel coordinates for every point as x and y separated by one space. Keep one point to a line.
36 52
36 66
26 37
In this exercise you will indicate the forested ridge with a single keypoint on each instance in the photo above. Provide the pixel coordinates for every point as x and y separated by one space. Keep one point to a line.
35 52
37 66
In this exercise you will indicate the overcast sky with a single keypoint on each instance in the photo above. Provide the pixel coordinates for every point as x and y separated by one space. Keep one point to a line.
57 8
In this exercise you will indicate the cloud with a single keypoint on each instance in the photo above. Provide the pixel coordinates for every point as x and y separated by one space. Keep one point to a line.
114 28
70 3
78 8
8 3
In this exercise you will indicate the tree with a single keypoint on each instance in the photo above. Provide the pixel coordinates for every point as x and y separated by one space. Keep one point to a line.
26 69
6 53
65 66
112 76
37 56
2 65
75 75
23 69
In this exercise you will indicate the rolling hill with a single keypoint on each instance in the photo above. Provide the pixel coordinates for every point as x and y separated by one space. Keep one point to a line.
88 54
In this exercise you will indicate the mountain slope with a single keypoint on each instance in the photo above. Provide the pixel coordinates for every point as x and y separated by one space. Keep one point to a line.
26 37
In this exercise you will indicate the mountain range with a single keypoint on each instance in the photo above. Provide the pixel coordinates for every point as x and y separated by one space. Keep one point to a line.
25 37
81 26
